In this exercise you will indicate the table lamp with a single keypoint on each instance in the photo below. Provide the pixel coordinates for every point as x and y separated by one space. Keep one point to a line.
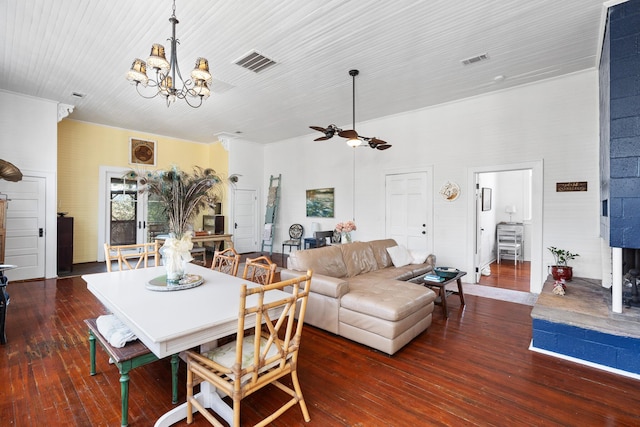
315 226
510 209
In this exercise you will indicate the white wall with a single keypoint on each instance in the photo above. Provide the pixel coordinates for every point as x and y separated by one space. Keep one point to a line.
554 122
29 140
246 159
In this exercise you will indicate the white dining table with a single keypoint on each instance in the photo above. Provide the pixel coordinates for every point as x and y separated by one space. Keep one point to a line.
169 322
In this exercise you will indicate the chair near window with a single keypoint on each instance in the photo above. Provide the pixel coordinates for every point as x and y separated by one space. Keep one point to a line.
259 270
199 254
226 261
295 237
125 254
254 361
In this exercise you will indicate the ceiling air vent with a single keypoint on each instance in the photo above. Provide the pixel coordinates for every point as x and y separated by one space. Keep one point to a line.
255 61
475 59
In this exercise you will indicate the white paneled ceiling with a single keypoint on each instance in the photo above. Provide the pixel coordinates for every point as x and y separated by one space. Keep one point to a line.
409 54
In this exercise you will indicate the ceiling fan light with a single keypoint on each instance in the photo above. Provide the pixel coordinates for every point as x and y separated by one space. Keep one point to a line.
157 59
353 142
201 72
138 72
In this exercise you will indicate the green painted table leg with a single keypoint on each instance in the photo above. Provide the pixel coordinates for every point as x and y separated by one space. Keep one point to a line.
92 353
175 362
124 391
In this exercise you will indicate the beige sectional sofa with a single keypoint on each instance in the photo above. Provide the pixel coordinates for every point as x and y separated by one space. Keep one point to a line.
357 293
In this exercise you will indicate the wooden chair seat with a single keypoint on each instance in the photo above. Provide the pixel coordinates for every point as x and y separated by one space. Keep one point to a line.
132 355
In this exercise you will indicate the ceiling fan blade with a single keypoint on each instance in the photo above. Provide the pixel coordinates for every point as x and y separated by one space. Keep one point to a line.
323 138
377 141
318 128
383 146
349 134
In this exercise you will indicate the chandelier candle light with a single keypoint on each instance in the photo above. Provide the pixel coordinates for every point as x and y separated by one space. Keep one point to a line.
165 80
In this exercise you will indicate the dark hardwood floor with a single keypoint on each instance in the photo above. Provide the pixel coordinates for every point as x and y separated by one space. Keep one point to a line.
472 369
508 275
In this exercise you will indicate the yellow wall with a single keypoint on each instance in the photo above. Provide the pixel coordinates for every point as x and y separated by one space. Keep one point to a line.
84 147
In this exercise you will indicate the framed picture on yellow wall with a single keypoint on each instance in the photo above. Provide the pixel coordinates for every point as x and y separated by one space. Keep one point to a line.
142 152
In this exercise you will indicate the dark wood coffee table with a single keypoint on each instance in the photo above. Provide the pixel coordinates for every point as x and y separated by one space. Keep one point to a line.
443 293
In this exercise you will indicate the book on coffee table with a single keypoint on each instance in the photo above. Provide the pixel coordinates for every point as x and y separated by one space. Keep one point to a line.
433 278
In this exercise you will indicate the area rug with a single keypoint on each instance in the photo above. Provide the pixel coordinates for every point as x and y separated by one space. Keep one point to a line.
509 295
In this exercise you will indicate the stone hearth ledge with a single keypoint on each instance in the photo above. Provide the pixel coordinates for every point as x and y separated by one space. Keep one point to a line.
586 305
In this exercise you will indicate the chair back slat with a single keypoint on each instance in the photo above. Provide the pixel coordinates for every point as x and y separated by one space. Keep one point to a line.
226 261
275 340
259 270
126 254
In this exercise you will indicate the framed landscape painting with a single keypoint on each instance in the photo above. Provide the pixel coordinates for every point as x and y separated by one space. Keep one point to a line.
320 202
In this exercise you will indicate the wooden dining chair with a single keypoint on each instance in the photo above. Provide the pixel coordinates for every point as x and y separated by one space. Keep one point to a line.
126 254
226 261
244 366
259 270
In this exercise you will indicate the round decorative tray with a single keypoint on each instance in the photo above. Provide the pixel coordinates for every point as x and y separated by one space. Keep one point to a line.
187 282
446 272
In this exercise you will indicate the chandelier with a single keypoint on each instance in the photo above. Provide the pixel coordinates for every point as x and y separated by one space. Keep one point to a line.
196 88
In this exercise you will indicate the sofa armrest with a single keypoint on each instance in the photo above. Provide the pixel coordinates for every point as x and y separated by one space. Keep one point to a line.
324 285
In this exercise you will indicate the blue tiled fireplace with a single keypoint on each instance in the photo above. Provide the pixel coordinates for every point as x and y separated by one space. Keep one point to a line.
581 325
620 127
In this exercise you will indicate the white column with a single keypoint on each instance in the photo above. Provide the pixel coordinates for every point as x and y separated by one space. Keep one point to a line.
616 287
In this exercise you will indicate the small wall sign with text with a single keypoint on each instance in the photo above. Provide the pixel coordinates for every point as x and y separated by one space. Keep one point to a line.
562 187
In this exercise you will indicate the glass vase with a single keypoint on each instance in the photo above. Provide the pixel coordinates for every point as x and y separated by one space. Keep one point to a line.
176 253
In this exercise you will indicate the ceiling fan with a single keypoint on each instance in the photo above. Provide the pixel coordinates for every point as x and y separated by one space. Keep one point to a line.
354 140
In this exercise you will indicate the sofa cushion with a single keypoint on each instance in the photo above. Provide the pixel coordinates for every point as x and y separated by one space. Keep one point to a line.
358 258
387 299
397 273
400 256
326 261
418 257
379 248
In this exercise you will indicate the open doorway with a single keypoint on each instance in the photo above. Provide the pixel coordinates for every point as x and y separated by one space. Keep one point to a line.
515 193
504 222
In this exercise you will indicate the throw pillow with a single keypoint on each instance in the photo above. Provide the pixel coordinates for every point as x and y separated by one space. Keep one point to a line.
418 257
400 256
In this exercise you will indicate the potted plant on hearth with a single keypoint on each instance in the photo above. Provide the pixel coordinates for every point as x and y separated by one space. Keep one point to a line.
561 270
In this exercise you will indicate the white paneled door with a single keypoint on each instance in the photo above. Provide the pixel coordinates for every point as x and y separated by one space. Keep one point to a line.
245 220
408 210
25 244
